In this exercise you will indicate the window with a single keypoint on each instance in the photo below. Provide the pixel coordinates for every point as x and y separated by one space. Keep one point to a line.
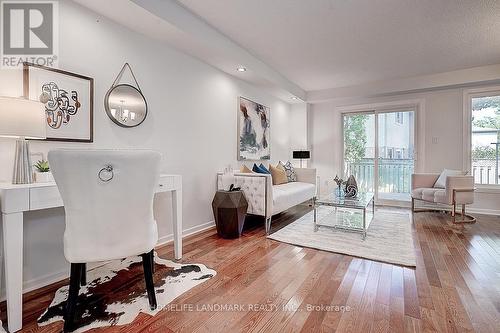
484 137
399 117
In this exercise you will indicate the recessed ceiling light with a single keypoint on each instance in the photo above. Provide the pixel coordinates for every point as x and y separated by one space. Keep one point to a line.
295 98
241 69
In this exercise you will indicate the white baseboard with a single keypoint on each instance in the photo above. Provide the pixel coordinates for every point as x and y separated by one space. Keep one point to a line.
483 211
472 210
51 278
424 205
187 232
394 203
48 279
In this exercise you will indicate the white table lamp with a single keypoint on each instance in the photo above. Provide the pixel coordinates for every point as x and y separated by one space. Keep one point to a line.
22 118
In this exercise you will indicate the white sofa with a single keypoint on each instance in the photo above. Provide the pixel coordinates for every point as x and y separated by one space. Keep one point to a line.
265 199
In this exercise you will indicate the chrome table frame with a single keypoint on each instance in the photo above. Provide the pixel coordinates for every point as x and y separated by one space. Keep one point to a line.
346 203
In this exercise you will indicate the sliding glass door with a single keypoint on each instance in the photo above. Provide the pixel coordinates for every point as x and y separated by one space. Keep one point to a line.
359 149
379 150
396 148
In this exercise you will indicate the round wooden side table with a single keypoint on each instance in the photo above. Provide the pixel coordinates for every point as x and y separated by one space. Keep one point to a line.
229 210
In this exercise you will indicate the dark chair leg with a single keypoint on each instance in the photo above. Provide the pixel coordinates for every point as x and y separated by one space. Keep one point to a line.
84 275
153 262
74 288
147 264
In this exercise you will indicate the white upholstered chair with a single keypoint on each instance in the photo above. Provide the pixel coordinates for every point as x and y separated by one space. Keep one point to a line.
458 190
108 201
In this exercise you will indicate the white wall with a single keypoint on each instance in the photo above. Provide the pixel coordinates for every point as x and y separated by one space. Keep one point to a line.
298 128
192 121
441 117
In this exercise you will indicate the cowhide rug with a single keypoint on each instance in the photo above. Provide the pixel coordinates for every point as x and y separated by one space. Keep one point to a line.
115 292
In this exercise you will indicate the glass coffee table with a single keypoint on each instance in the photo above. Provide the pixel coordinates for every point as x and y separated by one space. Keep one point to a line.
348 214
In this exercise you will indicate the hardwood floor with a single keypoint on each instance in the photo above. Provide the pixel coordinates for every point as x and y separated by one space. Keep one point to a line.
454 288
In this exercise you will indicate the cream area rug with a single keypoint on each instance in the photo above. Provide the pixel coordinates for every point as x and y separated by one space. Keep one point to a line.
115 293
389 237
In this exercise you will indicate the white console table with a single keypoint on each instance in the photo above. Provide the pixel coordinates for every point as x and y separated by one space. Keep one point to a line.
17 199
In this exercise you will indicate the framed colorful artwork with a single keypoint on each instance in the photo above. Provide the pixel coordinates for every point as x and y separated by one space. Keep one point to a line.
68 99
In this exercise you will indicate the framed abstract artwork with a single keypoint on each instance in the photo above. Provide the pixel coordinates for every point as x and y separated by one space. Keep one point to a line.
68 100
254 136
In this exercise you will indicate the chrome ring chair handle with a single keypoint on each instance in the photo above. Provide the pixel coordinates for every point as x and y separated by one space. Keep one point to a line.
106 173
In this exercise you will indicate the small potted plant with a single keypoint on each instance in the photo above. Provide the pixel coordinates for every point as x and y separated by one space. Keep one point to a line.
43 174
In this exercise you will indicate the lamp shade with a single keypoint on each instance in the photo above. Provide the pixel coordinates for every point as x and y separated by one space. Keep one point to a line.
301 154
22 118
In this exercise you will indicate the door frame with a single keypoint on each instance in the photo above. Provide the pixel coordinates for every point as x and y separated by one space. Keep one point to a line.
418 108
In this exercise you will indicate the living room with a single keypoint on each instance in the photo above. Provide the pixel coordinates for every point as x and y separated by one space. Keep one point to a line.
282 102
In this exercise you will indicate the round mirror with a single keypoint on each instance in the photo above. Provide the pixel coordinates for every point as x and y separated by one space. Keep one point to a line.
126 105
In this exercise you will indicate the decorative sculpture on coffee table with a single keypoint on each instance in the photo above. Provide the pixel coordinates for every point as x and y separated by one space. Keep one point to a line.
339 192
351 187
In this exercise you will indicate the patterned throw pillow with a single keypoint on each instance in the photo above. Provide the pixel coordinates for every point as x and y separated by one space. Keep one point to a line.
289 170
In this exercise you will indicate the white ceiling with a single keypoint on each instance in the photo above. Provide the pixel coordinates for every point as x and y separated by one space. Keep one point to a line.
169 22
321 44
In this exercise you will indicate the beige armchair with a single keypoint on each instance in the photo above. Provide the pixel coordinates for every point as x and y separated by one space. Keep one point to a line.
459 190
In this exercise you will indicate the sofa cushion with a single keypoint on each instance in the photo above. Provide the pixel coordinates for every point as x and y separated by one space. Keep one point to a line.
291 194
436 195
429 194
417 193
441 197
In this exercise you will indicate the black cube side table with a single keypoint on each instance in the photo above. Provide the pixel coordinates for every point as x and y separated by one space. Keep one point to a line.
229 210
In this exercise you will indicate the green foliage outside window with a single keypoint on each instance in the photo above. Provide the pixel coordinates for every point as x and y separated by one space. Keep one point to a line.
481 103
354 137
483 153
478 104
486 102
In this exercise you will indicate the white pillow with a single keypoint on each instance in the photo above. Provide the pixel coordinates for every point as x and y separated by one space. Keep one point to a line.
441 181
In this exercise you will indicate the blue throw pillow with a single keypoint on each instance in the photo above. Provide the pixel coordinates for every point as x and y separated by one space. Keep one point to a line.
258 169
264 169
